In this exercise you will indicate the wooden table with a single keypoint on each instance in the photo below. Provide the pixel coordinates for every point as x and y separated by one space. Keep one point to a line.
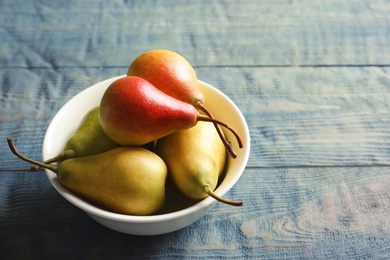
312 79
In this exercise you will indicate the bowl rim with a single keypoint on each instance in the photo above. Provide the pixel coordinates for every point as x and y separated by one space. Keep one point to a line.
164 217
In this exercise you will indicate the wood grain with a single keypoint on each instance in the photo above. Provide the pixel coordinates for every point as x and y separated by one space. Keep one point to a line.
310 116
288 213
216 33
311 78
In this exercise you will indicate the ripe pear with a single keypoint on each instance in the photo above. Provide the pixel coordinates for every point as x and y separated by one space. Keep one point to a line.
125 180
134 112
173 74
88 139
170 72
195 159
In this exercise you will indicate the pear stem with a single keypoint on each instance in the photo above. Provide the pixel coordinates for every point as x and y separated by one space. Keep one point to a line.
61 157
215 121
208 190
227 144
11 145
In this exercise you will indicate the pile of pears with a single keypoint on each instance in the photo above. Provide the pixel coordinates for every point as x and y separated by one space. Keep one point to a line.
150 128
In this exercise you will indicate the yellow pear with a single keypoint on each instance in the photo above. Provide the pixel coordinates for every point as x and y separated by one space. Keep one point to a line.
195 158
126 180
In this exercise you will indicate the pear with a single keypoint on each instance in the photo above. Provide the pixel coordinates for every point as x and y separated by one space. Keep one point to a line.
173 74
125 180
134 112
170 72
195 159
88 139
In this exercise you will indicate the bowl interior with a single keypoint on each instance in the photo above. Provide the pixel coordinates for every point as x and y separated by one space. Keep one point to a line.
71 114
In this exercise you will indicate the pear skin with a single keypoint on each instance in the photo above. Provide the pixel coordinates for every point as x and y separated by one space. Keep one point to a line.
170 72
134 112
173 74
88 139
195 158
125 180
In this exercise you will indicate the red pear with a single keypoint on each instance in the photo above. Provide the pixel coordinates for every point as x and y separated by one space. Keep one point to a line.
173 74
134 112
170 72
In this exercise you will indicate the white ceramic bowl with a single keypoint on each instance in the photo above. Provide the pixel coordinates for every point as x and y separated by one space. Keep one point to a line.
170 219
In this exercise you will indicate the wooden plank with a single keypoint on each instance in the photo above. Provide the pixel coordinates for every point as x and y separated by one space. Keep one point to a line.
296 116
311 116
311 78
321 213
320 209
208 33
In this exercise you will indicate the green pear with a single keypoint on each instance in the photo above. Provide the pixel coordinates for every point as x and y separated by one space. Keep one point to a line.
88 139
195 158
125 180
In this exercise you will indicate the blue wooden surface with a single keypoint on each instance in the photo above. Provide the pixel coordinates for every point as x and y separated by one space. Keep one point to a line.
311 77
